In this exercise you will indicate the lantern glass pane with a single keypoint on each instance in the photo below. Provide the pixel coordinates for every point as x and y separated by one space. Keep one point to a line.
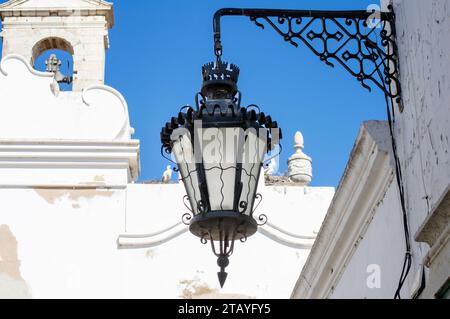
184 156
219 162
254 150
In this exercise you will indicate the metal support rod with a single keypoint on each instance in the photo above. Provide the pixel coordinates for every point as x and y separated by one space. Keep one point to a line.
361 14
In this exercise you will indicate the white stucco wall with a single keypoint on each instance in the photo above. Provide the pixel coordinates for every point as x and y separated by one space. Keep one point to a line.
258 268
33 108
361 238
422 133
380 253
423 129
65 241
67 244
67 171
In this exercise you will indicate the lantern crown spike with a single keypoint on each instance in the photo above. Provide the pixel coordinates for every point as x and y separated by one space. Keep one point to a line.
219 75
220 70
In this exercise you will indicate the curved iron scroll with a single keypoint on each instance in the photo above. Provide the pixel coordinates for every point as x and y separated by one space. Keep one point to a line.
363 42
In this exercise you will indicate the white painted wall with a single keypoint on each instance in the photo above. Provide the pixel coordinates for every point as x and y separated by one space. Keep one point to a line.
258 268
363 227
423 129
66 241
67 166
380 252
32 107
67 244
422 133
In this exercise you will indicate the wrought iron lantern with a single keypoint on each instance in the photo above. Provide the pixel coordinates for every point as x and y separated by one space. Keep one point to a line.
221 180
219 148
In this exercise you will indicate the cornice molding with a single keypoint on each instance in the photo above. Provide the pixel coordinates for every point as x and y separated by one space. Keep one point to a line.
48 24
363 186
66 155
435 229
16 8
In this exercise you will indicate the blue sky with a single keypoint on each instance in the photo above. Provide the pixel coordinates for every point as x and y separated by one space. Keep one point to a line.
158 48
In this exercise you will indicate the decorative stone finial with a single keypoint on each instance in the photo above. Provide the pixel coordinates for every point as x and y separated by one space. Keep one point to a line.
299 141
300 164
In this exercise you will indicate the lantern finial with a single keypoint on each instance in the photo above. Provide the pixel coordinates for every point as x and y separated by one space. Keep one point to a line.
222 277
222 262
222 75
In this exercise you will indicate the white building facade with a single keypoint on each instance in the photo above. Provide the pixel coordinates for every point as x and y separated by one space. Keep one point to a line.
75 223
360 249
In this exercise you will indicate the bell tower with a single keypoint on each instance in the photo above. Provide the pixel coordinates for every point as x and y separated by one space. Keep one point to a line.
79 27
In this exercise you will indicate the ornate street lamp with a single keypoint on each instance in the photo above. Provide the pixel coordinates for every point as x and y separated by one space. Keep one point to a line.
221 191
219 148
351 39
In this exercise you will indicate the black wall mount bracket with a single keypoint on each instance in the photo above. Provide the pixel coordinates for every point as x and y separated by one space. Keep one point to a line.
362 42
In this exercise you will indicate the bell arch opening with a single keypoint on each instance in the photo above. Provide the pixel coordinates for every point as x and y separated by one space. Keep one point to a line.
50 43
55 54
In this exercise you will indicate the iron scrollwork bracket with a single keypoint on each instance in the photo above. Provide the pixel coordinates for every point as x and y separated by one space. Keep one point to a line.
350 38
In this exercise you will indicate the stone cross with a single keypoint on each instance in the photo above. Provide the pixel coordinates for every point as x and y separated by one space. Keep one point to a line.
53 64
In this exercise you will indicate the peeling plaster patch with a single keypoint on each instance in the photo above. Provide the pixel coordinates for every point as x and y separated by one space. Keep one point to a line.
88 193
99 178
52 195
9 264
12 284
151 253
223 296
193 289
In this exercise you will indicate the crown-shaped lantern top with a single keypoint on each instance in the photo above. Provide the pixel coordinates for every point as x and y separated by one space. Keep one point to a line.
220 79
